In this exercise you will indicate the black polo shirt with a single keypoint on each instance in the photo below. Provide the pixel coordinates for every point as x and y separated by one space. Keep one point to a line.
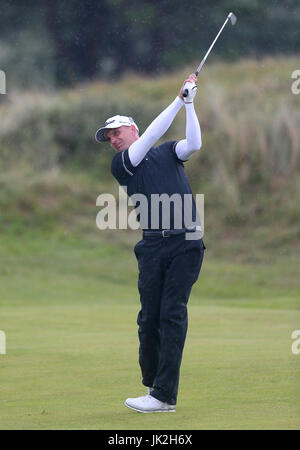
160 172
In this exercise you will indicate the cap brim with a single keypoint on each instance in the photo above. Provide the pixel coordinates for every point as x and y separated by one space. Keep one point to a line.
100 135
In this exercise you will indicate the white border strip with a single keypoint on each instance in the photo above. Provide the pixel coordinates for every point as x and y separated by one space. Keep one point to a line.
128 171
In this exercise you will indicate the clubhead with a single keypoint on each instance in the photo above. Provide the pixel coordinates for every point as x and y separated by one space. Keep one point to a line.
232 17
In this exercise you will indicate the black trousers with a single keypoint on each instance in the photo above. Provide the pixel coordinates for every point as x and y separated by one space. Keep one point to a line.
168 268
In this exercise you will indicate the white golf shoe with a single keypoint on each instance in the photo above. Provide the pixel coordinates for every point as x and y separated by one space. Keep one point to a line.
149 404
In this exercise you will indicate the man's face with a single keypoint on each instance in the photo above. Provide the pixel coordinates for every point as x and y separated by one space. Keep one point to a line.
121 138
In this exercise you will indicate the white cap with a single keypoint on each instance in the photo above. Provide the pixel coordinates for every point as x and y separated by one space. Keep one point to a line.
114 122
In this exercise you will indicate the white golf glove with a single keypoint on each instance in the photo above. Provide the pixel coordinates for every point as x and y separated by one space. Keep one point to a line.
189 92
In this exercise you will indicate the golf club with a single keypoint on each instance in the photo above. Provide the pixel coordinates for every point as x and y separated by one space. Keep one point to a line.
233 20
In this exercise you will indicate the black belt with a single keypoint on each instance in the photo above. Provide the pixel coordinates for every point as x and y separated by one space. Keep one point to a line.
165 233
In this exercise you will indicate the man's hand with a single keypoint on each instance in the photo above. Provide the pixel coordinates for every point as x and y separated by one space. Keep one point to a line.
191 85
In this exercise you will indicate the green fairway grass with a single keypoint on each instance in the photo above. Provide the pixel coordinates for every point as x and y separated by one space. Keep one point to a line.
69 307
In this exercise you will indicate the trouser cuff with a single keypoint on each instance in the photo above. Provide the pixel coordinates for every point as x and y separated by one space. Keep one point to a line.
161 395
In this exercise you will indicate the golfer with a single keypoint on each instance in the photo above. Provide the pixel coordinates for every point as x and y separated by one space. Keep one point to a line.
169 262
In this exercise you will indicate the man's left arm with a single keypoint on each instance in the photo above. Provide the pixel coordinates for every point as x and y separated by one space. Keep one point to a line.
193 142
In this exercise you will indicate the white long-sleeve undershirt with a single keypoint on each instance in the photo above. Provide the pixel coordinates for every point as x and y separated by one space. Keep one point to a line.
184 148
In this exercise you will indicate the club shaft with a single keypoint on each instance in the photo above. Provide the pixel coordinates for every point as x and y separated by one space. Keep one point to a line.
209 50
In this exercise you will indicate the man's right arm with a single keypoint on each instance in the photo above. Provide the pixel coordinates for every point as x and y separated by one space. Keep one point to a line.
138 150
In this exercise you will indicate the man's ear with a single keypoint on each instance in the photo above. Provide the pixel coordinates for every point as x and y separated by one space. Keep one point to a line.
134 130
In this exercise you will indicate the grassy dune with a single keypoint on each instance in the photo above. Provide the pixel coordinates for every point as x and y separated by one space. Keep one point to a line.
248 168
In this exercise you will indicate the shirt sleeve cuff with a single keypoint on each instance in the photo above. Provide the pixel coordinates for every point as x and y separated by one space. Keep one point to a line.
129 168
179 102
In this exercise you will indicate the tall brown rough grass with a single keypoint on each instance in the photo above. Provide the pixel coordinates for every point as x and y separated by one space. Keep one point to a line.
249 118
